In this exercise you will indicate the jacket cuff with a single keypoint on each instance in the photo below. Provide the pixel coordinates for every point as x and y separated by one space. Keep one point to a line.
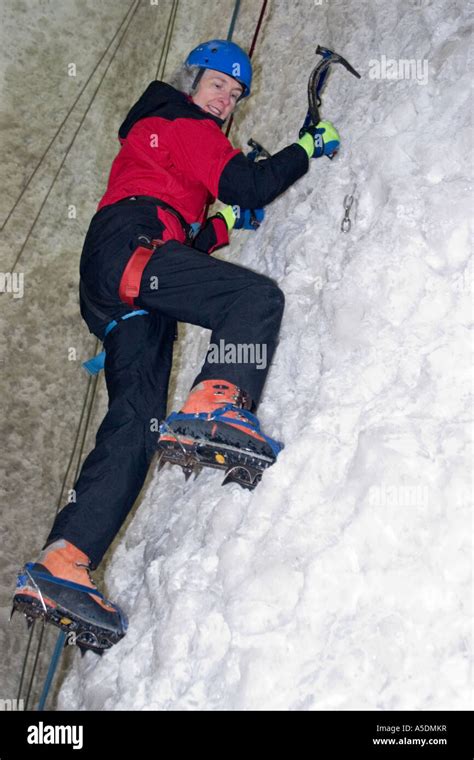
228 215
307 142
212 236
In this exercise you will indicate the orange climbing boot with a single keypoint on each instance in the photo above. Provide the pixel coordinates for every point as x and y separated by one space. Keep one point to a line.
215 428
59 589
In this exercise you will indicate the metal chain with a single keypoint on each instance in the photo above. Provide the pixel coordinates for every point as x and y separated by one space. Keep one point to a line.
346 223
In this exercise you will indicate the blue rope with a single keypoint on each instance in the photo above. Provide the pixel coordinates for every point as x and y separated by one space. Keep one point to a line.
233 20
52 669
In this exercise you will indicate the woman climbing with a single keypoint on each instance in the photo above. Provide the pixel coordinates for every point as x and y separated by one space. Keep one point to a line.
145 265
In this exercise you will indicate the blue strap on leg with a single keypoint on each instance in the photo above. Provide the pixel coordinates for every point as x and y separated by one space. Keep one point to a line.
93 366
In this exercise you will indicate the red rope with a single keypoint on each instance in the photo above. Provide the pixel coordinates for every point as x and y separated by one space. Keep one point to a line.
257 30
251 51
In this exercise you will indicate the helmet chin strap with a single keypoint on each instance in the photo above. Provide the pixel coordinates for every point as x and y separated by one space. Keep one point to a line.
197 79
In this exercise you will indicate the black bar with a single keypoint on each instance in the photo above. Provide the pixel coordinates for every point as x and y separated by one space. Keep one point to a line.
427 734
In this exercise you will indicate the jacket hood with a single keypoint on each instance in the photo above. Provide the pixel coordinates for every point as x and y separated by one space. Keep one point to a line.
156 97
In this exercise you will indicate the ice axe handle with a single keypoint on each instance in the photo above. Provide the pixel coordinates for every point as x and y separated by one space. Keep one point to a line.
258 151
329 57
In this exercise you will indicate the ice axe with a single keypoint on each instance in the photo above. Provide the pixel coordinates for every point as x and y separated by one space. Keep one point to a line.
257 152
317 82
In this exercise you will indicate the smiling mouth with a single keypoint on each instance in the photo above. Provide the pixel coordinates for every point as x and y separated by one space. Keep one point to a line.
215 111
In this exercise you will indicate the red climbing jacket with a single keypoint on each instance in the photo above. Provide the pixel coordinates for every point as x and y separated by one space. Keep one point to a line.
173 150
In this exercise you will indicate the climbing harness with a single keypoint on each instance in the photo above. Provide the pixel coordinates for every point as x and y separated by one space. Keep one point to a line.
93 366
190 230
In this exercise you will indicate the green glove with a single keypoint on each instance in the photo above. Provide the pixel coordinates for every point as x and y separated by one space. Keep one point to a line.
227 213
320 140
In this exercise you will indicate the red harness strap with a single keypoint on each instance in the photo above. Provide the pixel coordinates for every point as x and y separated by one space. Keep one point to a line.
129 287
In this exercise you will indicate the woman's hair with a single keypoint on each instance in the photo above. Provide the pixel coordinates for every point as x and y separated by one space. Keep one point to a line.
183 78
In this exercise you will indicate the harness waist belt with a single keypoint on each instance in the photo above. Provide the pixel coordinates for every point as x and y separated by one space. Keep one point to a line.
187 228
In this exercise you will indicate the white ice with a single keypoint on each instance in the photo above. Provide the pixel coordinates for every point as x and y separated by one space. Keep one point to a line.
344 581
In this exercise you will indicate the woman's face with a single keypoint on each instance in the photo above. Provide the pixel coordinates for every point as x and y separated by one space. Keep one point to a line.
217 93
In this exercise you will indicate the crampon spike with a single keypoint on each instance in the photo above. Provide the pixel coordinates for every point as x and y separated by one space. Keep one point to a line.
241 466
245 477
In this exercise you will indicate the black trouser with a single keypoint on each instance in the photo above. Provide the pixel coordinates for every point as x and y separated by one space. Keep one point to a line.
241 307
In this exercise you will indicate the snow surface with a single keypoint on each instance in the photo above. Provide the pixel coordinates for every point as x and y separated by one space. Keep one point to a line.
343 582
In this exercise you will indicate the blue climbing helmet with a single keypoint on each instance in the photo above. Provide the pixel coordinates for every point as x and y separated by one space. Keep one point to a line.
226 57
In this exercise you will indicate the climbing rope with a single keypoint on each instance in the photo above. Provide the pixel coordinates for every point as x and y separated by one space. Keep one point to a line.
233 20
160 69
71 109
93 381
88 404
68 149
